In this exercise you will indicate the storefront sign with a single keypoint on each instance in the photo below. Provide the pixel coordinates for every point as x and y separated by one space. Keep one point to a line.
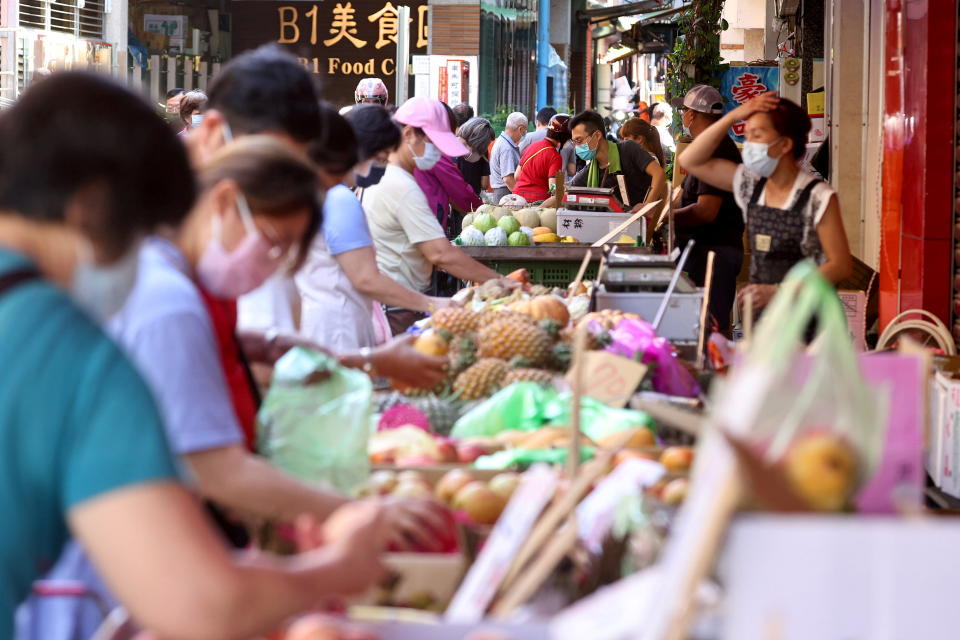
740 84
343 41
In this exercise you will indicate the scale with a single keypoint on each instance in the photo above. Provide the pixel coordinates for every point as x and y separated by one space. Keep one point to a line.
638 283
588 214
592 199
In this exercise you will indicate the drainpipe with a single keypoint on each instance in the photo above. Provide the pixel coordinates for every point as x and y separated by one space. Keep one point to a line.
543 52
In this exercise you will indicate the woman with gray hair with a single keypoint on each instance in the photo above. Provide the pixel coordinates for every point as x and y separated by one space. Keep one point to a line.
477 134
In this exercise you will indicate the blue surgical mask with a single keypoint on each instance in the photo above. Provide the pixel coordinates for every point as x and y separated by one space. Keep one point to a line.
584 152
101 290
757 159
195 120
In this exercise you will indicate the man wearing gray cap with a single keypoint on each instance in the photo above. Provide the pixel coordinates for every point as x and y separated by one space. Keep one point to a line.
708 215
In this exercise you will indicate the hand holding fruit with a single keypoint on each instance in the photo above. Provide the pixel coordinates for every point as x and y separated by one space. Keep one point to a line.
418 524
400 361
356 534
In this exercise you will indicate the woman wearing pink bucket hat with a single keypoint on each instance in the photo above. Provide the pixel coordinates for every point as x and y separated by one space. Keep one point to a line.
409 240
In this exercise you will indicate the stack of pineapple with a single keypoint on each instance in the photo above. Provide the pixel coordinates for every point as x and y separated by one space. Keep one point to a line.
493 349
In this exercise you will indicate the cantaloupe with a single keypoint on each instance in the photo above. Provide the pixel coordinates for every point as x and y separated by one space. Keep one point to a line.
467 221
539 231
528 218
499 212
548 218
485 208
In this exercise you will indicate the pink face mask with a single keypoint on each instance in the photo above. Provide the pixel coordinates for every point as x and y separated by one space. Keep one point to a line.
229 275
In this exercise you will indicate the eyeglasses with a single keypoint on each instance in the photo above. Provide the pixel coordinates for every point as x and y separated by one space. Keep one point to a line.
582 139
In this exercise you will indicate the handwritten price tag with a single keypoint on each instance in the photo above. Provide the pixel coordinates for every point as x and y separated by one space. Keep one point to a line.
482 581
609 378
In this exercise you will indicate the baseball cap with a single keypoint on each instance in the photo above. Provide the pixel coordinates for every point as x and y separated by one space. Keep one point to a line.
431 116
702 98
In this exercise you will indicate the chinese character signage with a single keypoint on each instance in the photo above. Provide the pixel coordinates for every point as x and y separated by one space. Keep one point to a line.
343 41
739 84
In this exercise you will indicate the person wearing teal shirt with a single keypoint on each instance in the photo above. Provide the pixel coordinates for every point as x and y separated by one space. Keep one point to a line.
84 451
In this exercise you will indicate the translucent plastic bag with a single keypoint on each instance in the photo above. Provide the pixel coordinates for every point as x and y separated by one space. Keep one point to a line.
315 420
779 390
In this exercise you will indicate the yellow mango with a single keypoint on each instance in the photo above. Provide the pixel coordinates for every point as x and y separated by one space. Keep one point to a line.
546 237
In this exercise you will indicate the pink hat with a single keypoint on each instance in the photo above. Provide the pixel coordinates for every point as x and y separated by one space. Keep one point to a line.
431 116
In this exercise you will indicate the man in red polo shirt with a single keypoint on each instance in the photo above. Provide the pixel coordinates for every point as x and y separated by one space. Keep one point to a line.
540 162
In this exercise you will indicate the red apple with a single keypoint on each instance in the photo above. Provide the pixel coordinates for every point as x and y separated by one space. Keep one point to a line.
447 450
504 484
481 504
468 452
413 489
451 483
420 460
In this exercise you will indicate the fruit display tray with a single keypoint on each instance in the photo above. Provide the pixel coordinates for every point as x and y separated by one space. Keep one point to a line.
550 265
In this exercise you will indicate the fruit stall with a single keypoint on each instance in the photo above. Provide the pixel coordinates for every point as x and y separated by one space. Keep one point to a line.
594 474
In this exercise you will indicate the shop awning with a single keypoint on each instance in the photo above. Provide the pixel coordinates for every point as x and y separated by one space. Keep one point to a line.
641 12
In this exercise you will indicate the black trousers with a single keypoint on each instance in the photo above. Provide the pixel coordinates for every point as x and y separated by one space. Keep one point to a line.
726 268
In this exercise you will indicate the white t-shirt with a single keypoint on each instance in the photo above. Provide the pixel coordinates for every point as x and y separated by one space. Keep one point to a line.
399 220
745 181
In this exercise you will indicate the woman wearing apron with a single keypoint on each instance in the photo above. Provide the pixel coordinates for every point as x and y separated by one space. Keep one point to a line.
790 214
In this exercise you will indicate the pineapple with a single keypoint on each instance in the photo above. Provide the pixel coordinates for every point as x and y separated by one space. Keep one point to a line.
456 321
526 374
511 338
481 380
463 353
489 316
595 340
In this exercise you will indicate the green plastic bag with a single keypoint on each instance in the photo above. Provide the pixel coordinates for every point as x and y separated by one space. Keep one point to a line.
597 420
526 406
517 407
315 420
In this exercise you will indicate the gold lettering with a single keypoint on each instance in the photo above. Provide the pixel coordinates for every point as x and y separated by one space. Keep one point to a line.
391 63
388 20
312 14
344 26
332 64
422 29
288 22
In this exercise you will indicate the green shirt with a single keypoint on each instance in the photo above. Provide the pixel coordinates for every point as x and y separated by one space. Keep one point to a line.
76 421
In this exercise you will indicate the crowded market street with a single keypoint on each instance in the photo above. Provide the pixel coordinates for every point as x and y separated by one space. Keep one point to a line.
462 320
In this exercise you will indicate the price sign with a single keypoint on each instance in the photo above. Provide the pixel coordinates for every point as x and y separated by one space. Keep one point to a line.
609 378
475 594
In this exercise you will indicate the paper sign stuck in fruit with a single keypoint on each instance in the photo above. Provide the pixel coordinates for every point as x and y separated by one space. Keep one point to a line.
609 378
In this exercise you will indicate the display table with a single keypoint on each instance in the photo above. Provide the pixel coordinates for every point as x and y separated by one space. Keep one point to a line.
552 265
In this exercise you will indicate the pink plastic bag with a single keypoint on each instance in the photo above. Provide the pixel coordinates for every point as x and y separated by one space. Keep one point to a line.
636 339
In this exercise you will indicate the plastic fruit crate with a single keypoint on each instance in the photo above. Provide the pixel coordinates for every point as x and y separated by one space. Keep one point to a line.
549 273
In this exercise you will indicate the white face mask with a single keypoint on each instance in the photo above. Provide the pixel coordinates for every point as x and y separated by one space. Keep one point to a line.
101 290
757 159
429 159
195 120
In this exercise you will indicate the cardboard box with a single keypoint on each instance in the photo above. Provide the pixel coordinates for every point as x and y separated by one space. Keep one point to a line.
421 578
946 444
587 226
855 308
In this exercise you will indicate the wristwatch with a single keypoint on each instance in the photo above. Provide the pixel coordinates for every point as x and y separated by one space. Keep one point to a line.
366 354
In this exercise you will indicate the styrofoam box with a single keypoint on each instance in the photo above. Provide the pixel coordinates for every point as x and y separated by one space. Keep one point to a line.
587 226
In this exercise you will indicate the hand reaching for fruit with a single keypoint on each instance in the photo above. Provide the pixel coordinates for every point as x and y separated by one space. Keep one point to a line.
400 361
418 525
356 533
